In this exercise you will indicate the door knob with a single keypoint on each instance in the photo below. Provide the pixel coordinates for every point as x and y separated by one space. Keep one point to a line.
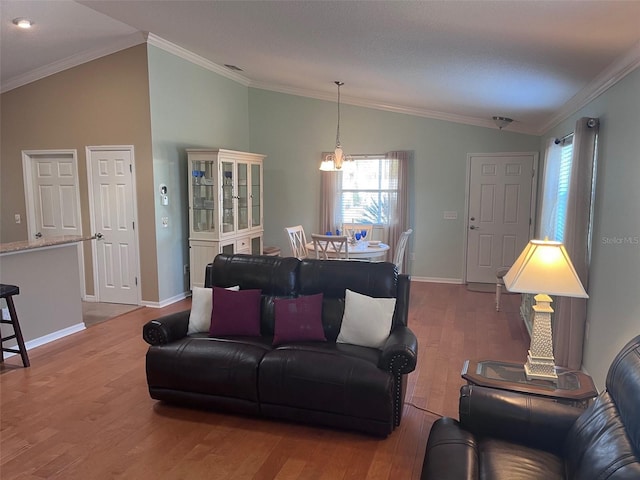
38 235
99 236
473 227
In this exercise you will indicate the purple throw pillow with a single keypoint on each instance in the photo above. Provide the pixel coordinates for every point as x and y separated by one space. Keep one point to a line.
235 313
298 319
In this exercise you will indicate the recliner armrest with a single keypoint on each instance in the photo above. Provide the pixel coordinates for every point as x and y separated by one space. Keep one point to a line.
166 329
525 419
452 453
400 351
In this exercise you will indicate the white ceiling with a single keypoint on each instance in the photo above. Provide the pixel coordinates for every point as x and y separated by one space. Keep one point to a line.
534 61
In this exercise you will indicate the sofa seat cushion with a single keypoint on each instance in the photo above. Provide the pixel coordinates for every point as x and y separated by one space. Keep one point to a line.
500 460
320 377
225 367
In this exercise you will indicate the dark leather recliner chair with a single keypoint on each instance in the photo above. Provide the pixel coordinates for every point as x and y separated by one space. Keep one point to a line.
507 435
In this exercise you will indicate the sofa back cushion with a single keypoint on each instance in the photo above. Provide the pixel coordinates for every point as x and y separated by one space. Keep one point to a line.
605 441
334 277
276 277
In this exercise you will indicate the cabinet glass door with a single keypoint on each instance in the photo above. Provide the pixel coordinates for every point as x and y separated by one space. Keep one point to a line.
243 196
228 215
256 213
204 199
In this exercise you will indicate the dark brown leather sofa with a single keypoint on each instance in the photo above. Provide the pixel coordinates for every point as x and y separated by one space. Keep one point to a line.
505 435
328 383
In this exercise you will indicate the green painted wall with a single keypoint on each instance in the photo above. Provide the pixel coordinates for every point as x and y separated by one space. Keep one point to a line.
191 107
293 131
613 312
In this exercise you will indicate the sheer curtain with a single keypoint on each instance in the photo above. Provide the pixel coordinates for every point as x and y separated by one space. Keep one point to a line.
551 176
399 204
330 186
570 313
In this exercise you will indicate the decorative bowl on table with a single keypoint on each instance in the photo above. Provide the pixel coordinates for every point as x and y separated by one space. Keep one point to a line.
374 243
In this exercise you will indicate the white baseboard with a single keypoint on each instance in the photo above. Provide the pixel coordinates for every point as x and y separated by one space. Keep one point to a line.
456 281
167 301
36 342
90 298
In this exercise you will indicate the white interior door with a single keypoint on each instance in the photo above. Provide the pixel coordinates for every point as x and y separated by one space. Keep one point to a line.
111 185
499 212
52 193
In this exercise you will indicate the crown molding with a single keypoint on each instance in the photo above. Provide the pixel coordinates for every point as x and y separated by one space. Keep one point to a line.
195 59
615 72
609 77
73 61
366 103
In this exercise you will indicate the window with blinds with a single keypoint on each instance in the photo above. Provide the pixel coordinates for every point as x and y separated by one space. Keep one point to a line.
564 178
369 187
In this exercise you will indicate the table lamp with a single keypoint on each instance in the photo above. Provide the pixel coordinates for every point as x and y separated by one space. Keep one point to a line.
543 266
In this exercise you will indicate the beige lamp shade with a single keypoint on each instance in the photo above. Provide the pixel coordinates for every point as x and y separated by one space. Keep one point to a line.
544 266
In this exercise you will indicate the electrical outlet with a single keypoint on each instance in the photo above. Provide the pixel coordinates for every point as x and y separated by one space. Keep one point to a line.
165 222
17 218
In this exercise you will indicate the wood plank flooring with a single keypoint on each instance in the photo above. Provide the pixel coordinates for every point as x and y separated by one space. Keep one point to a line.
82 410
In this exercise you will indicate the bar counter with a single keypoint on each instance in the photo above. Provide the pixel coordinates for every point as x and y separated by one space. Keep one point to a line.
47 271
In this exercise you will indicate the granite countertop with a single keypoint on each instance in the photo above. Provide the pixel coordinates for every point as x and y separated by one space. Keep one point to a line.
41 243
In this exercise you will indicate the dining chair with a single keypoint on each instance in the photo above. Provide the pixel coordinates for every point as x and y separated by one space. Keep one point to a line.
500 273
330 247
350 228
398 258
298 241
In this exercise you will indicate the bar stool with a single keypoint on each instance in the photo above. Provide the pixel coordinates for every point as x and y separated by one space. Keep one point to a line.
7 292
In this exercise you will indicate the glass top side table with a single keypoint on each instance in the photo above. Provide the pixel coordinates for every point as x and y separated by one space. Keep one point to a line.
573 386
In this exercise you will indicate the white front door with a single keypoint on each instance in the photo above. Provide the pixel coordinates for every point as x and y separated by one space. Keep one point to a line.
111 196
499 211
52 193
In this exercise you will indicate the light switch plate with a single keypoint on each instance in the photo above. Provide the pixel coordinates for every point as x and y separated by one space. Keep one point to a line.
450 215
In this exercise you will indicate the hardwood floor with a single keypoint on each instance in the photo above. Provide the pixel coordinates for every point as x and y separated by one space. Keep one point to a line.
82 410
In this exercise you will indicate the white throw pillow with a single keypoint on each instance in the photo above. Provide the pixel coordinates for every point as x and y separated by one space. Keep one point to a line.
201 307
367 320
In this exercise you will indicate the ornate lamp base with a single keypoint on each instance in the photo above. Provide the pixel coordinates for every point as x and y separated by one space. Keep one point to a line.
540 361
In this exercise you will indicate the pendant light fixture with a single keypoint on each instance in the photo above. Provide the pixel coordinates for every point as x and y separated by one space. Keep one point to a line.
334 161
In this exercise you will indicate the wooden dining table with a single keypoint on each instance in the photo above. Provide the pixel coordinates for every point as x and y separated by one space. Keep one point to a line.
361 250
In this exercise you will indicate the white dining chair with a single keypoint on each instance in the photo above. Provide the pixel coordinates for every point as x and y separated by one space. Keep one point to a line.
330 247
298 241
398 258
350 228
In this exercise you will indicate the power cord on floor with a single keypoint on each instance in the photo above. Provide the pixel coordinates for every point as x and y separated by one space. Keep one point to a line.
423 409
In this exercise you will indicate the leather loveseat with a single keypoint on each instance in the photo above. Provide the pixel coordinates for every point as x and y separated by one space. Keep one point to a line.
335 384
505 435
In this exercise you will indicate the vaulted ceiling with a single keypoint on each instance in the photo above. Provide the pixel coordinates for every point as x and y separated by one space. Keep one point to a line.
535 61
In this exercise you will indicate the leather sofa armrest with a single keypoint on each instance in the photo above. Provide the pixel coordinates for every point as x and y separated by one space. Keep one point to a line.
400 351
166 329
452 453
521 418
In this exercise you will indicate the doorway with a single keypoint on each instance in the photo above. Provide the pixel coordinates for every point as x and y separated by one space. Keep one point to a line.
52 196
111 181
500 210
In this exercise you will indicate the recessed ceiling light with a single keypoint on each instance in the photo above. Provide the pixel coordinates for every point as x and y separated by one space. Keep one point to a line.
23 22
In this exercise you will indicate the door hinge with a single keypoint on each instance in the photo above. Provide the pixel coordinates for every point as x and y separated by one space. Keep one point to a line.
136 281
133 225
130 168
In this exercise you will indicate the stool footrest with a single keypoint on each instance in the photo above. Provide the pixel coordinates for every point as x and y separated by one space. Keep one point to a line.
10 337
11 350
